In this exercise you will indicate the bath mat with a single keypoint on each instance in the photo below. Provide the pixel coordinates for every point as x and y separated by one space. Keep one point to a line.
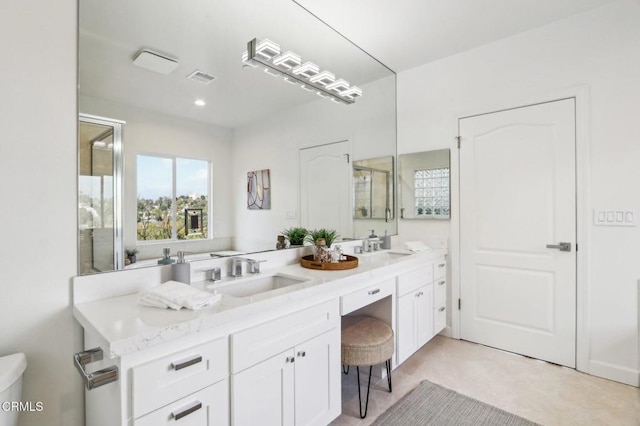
431 404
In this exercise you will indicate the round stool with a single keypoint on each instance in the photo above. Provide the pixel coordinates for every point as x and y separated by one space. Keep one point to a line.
366 341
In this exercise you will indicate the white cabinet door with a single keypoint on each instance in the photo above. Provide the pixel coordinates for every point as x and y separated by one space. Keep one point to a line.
406 326
414 321
263 394
424 314
317 380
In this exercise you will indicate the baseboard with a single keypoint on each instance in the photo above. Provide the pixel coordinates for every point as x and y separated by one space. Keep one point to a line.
628 376
446 332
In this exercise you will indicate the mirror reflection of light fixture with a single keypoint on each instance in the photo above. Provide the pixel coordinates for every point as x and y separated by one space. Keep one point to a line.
289 66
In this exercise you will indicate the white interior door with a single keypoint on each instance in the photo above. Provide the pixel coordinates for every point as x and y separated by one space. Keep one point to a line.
517 195
325 187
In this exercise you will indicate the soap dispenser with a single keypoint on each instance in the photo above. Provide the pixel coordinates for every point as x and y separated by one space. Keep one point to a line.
181 271
386 240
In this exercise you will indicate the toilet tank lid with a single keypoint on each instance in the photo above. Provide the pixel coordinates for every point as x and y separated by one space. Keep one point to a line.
11 368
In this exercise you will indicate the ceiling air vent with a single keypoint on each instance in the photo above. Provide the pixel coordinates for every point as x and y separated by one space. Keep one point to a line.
201 77
154 61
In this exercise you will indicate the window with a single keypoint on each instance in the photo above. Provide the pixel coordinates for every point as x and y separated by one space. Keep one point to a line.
173 198
432 192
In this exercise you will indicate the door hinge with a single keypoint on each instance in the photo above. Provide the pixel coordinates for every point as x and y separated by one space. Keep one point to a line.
576 246
458 138
459 304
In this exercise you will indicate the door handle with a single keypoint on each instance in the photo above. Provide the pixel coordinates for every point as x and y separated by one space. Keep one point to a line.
560 246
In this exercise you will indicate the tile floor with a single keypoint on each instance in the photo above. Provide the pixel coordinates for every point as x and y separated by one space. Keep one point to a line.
545 393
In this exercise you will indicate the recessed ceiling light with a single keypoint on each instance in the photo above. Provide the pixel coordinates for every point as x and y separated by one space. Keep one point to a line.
200 102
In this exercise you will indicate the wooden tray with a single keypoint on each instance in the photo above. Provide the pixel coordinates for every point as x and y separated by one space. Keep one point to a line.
308 262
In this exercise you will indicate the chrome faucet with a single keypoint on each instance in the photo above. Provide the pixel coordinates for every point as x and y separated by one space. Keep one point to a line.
366 245
236 266
252 268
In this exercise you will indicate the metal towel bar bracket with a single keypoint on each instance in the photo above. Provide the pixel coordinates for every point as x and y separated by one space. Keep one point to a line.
97 378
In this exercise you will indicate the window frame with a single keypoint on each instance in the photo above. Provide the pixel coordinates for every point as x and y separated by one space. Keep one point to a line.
174 189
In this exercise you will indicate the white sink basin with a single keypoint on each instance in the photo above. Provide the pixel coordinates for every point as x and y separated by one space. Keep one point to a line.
256 285
385 255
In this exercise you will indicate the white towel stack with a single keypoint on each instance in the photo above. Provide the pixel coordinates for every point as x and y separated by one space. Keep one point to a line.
176 295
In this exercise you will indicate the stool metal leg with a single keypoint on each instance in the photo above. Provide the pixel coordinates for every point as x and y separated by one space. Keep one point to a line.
366 405
387 364
345 371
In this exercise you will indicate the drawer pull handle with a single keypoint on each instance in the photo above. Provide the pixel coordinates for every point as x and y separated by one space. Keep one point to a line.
302 353
441 282
441 309
442 265
372 292
290 359
194 406
184 363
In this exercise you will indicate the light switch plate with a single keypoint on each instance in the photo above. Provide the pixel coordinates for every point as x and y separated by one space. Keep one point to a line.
618 217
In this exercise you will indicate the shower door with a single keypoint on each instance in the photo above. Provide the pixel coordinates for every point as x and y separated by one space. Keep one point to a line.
99 194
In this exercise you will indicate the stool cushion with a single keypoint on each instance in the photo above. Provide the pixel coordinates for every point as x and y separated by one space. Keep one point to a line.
365 341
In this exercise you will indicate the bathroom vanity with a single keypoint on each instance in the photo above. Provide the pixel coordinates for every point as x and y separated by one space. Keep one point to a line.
271 356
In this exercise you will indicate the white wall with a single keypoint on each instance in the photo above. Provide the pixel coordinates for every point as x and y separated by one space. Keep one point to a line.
147 132
600 50
274 144
38 175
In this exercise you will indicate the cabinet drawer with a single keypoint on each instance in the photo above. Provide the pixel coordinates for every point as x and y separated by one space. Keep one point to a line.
412 280
207 407
440 269
360 298
172 377
440 292
263 341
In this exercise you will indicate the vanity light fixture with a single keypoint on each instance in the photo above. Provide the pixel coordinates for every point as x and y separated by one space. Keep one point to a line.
338 86
267 49
324 78
287 60
307 70
289 65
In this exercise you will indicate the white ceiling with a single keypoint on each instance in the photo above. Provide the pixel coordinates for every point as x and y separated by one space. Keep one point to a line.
210 35
403 34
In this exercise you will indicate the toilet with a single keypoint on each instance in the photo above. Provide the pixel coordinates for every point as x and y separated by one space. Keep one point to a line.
11 369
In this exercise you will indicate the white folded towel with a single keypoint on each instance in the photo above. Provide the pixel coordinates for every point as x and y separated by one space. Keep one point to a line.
177 295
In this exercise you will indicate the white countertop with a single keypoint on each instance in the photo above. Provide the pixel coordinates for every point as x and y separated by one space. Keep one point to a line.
123 326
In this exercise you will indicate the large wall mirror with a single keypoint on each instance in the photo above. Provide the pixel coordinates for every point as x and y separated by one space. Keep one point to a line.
197 120
424 185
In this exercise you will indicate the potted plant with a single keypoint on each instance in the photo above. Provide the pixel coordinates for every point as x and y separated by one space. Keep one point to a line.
295 235
322 240
131 254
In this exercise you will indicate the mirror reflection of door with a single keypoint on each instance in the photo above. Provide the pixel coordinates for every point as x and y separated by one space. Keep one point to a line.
325 201
99 177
